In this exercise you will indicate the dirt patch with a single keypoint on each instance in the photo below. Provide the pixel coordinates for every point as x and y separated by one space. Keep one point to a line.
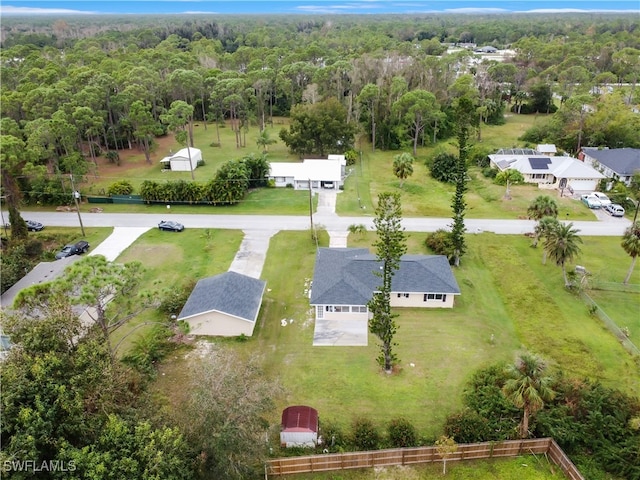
154 255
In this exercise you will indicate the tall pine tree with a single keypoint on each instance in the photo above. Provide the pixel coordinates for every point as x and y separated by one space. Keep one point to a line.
465 116
390 247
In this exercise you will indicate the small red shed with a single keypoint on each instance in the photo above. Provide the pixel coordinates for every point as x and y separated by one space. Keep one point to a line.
299 427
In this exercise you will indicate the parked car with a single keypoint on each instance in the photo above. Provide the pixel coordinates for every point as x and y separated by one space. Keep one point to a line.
33 226
591 201
170 226
604 200
614 210
77 248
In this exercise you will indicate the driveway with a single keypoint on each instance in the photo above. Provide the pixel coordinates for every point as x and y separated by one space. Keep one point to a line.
119 240
252 253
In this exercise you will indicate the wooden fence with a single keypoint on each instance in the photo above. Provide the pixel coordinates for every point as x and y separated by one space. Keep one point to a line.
414 456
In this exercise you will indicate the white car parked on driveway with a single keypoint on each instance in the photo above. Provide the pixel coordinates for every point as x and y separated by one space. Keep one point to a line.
604 200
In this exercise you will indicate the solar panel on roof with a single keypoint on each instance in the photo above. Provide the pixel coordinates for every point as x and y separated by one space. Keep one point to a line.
539 163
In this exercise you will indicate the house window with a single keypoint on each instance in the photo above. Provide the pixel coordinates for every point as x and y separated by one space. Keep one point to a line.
341 309
279 179
405 295
359 309
434 296
320 311
328 308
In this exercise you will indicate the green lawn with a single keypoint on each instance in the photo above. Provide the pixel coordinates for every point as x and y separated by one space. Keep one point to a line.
509 301
135 169
173 261
371 175
520 468
423 196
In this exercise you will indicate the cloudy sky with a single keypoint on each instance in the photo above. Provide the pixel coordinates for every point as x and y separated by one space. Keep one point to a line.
290 7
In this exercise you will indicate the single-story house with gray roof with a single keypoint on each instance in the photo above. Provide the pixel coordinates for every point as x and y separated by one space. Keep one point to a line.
344 281
616 163
550 172
225 305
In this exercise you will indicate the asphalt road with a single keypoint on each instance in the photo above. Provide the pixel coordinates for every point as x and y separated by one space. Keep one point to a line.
606 226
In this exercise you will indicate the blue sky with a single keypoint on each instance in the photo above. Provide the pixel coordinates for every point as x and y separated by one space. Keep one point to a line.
289 7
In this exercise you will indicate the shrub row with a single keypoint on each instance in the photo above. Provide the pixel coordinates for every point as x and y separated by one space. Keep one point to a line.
228 187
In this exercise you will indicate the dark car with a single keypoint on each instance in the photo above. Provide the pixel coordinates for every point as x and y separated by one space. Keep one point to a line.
33 226
170 226
77 248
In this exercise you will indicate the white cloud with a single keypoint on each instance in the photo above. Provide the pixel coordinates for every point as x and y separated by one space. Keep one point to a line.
12 10
339 8
476 10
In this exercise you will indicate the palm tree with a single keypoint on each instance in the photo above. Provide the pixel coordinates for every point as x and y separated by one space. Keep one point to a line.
403 166
528 387
264 140
542 206
543 229
562 245
631 245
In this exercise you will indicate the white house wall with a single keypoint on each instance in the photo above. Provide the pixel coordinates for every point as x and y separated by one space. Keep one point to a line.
180 165
219 324
400 299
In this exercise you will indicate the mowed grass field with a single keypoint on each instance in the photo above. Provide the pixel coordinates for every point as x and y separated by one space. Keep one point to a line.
520 468
371 175
510 301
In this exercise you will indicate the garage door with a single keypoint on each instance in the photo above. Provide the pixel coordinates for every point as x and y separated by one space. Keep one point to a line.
583 185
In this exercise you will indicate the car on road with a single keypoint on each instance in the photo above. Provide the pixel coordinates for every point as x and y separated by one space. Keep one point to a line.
614 210
604 200
591 201
170 226
33 226
77 248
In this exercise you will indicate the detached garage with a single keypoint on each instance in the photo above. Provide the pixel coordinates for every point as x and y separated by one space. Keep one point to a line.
299 427
225 305
185 160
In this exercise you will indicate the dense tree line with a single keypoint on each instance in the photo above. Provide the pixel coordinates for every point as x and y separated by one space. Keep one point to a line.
597 426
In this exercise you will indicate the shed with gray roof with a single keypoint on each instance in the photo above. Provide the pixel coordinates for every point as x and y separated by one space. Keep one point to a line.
224 305
344 281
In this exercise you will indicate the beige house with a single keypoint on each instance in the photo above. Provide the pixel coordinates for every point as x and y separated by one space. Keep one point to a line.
225 305
548 172
344 282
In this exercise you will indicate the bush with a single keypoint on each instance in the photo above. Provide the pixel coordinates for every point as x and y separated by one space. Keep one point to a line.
467 426
440 242
364 435
333 437
123 187
149 349
401 433
489 172
351 156
174 299
443 167
479 155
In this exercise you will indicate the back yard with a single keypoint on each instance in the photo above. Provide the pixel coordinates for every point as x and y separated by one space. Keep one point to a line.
509 301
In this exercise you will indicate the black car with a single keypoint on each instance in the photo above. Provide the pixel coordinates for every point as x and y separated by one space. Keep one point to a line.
170 226
33 226
73 249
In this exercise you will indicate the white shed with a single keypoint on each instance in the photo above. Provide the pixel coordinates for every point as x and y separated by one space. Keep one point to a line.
299 427
185 160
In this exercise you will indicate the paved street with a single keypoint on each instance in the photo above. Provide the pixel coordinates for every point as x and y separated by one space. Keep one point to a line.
332 222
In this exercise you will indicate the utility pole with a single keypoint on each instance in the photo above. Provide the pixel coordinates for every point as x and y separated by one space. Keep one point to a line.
76 196
311 209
